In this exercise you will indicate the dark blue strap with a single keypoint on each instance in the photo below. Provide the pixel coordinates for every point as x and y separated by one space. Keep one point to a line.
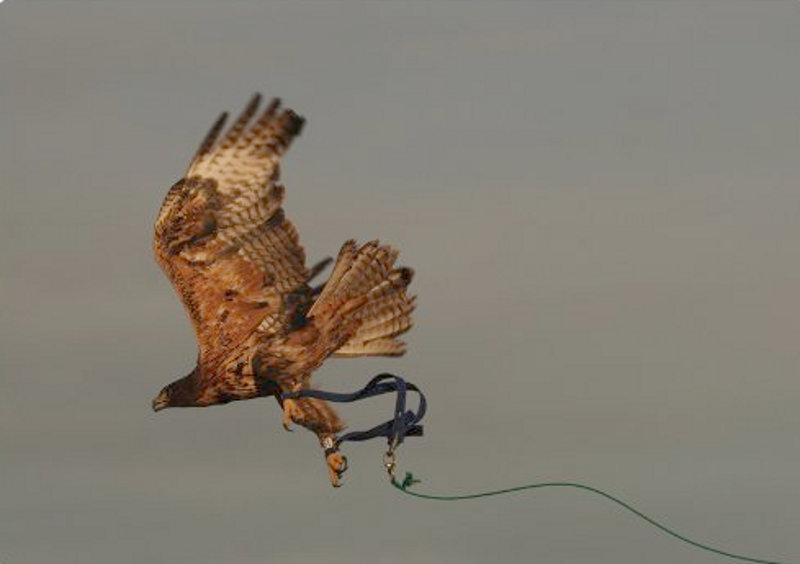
404 423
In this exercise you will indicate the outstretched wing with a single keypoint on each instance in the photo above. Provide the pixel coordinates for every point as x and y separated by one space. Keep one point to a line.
221 236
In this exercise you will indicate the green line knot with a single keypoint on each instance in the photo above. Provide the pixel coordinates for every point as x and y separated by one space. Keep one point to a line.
408 481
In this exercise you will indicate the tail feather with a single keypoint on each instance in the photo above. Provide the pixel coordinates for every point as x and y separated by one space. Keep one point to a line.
388 328
385 309
364 306
340 268
372 263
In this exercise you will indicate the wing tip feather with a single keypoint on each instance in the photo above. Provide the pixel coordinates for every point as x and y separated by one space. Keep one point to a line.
212 135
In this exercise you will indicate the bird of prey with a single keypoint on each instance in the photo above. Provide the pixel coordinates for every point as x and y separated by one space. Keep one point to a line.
236 263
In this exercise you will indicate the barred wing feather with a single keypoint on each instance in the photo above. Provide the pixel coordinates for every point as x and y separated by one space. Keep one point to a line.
222 238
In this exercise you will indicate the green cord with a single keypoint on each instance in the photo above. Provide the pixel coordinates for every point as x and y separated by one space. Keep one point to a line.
409 481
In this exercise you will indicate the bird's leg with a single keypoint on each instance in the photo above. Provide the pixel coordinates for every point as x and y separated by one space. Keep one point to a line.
317 416
337 462
292 412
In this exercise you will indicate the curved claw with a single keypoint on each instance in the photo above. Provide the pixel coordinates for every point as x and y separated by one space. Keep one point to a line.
291 413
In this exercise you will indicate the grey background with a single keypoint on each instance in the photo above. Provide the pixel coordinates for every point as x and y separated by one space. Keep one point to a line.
601 203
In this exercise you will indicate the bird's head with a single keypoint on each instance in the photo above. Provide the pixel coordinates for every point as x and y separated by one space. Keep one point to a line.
180 393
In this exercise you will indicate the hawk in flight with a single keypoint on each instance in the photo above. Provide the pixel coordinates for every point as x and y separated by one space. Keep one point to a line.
236 263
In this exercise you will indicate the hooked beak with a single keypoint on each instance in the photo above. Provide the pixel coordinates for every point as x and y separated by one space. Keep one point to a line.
161 401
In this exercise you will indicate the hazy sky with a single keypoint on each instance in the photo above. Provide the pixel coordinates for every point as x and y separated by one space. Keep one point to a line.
602 205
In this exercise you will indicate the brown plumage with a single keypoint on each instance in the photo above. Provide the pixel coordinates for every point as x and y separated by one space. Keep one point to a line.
235 261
